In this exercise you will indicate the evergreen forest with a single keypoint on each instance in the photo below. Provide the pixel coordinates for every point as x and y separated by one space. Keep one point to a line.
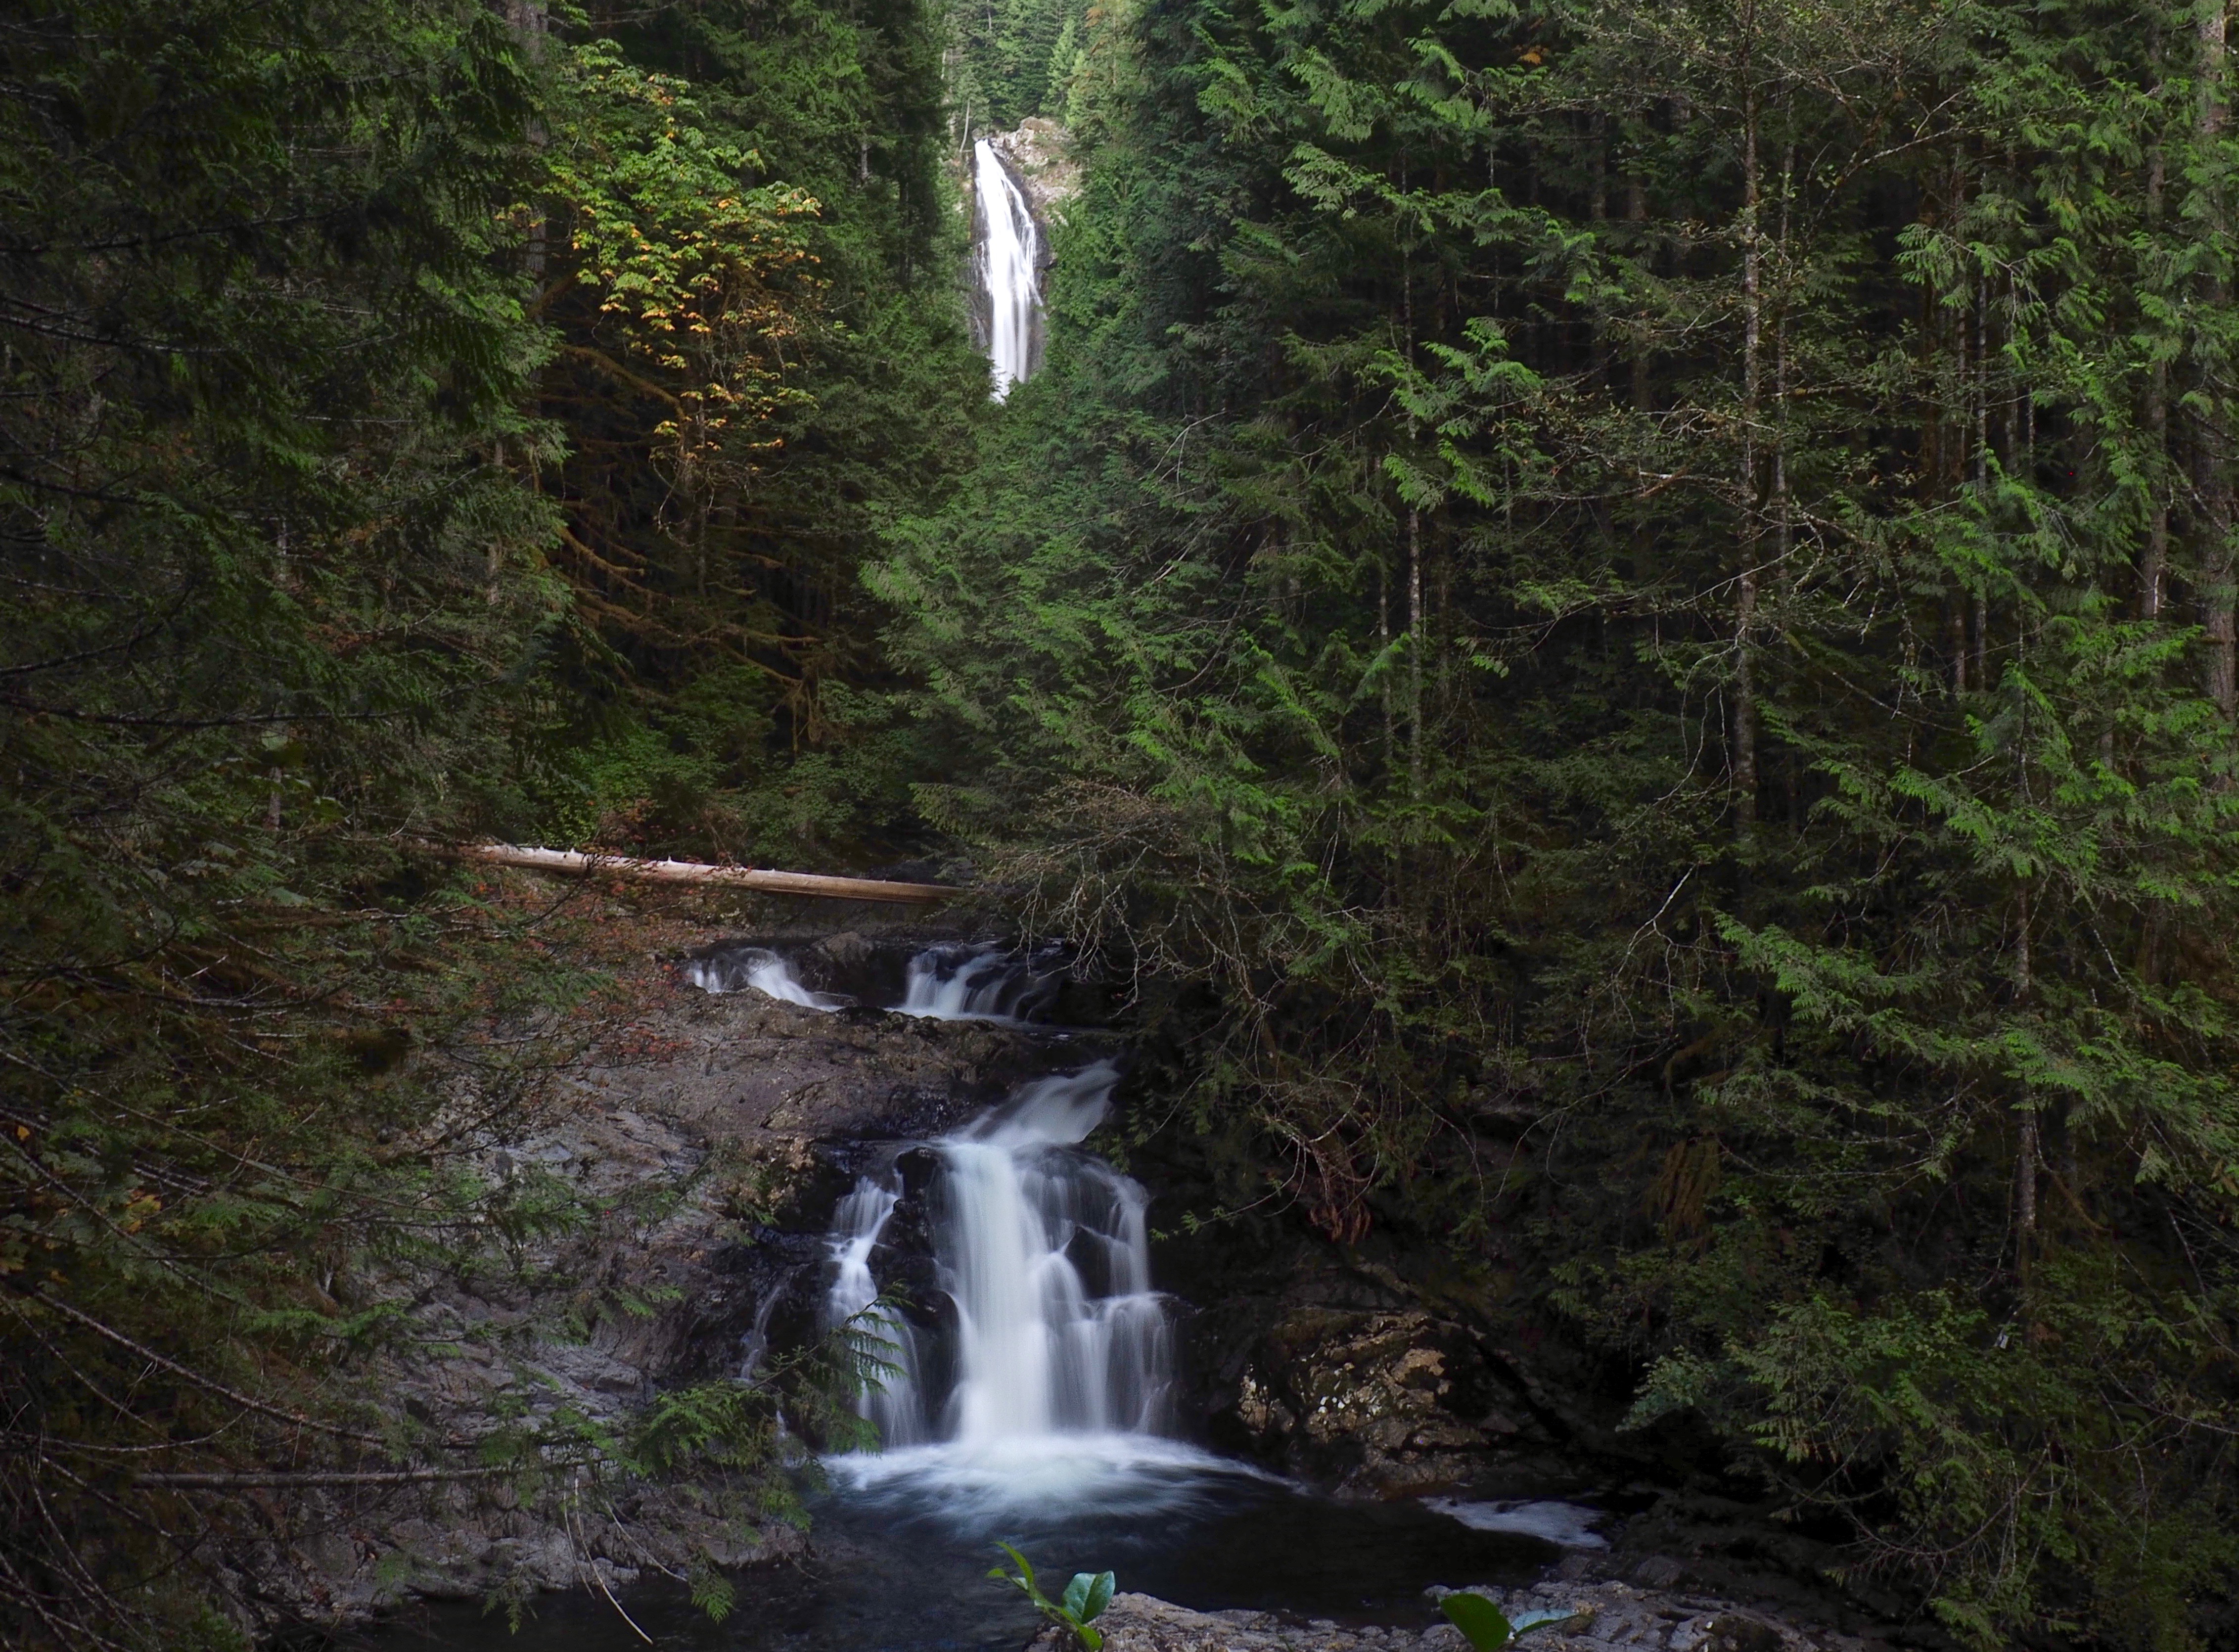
1621 620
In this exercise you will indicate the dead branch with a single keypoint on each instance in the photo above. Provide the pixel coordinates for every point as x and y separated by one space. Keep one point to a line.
783 883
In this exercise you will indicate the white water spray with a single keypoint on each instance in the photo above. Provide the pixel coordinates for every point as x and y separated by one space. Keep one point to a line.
857 1226
1010 249
961 983
1063 1355
767 974
1567 1525
1047 1255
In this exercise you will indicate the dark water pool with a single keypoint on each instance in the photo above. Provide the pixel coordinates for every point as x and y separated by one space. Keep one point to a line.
884 1575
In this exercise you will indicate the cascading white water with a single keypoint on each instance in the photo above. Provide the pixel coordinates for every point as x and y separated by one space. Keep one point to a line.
1034 1377
1047 1255
953 981
1034 1389
765 972
958 983
1010 246
1062 1352
856 1228
754 1346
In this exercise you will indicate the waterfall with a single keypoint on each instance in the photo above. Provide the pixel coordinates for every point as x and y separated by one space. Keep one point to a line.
765 972
857 1226
1010 247
958 983
949 981
1044 1251
754 1346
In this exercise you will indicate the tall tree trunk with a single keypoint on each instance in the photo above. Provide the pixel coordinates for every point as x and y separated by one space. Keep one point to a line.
1943 462
2026 1153
1415 646
1982 383
2153 561
1783 528
1744 713
2212 452
530 21
1416 640
1635 211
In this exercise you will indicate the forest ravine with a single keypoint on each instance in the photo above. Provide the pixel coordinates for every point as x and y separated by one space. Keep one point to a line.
1608 631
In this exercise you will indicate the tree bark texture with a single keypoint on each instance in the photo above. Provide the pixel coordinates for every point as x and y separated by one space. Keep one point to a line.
782 883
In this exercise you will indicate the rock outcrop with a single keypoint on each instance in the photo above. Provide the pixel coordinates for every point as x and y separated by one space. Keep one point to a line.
694 1155
1039 154
675 1183
1375 1403
1610 1616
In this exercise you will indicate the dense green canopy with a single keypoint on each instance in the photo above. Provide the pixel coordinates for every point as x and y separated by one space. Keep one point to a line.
1624 613
413 421
1645 593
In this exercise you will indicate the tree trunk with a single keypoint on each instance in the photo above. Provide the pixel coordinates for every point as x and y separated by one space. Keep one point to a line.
1982 380
530 20
1415 645
783 883
1635 211
1745 734
2027 1155
1416 641
2153 563
2212 459
1383 673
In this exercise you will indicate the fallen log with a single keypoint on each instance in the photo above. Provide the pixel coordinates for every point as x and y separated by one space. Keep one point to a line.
319 1477
687 871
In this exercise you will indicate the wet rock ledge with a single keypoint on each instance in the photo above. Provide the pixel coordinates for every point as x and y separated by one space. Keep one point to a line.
1612 1614
697 1148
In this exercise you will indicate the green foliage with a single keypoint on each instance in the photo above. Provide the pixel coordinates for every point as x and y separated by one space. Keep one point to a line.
1014 59
1644 663
1486 1627
1082 1603
745 241
290 299
266 594
1624 613
687 266
709 1432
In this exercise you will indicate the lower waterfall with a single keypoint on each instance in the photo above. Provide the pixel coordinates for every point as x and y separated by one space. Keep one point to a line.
1052 1378
1045 1253
1038 1395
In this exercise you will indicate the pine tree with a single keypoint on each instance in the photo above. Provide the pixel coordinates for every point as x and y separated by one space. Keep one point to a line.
1641 592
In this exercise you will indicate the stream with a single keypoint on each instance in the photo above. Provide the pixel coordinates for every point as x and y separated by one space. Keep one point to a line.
882 1576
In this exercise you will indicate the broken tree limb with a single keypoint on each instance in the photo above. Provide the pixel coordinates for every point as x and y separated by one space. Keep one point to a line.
319 1477
687 871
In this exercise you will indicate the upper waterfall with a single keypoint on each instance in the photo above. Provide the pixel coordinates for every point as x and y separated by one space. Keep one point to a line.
764 971
1009 256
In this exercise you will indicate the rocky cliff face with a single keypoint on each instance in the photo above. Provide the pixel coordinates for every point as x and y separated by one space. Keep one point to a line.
1039 154
700 1148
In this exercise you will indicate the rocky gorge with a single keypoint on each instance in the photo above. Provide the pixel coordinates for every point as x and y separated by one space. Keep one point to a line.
710 1135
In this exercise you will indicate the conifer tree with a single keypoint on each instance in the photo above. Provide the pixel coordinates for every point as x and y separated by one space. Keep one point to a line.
1642 593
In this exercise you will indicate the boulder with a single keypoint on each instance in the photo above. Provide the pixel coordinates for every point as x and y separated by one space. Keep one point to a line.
1374 1404
1609 1615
